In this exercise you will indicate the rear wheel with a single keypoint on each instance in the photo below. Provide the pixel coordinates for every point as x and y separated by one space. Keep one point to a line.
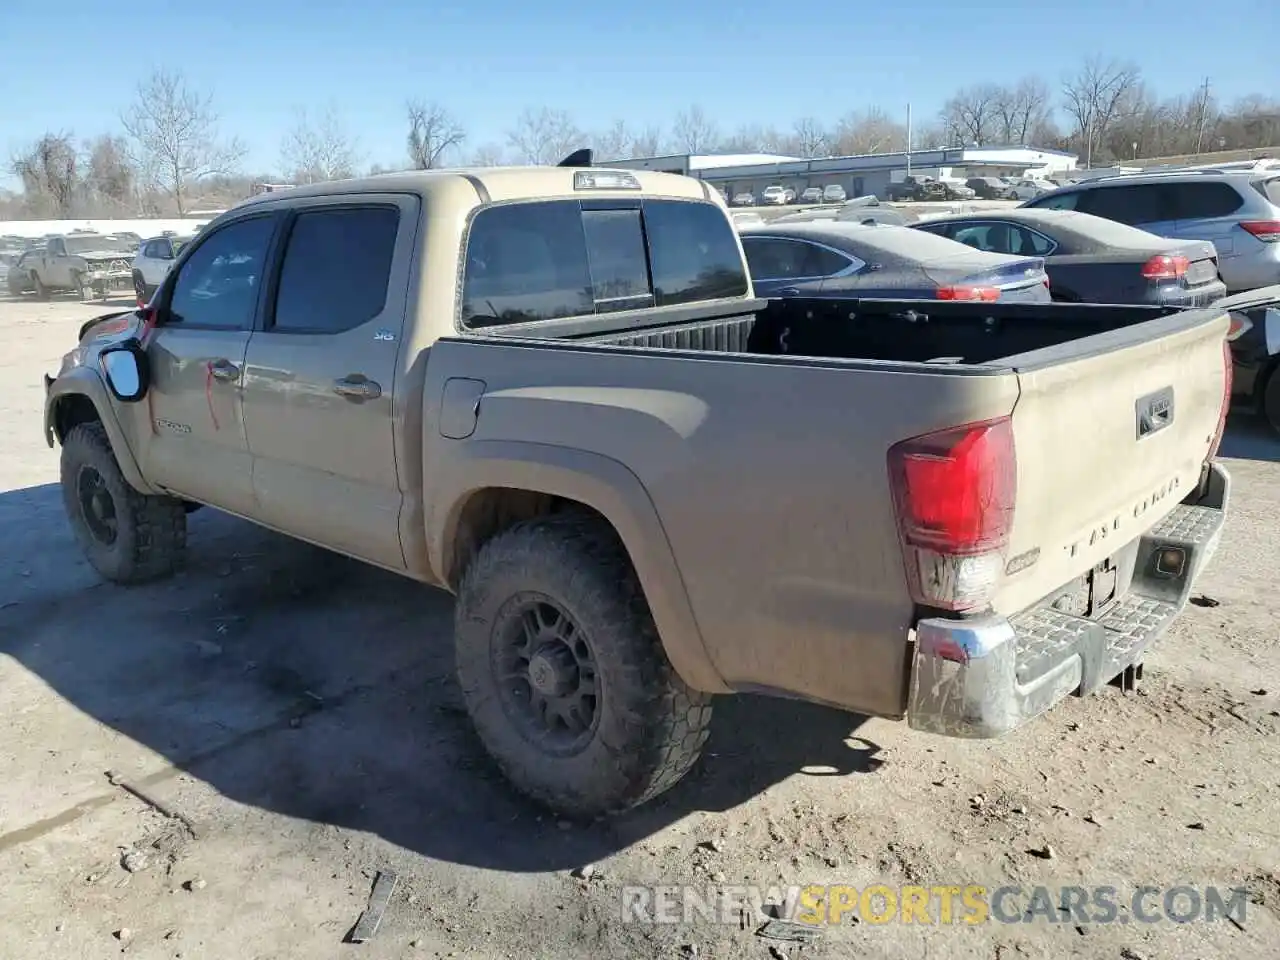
77 282
564 674
139 286
128 537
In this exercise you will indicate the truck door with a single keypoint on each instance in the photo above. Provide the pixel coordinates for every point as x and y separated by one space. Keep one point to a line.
196 445
320 377
54 270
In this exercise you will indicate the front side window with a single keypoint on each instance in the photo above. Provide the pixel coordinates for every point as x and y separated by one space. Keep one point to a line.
218 285
548 260
336 269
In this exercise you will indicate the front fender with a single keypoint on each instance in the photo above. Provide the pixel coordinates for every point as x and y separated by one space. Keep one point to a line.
600 482
87 383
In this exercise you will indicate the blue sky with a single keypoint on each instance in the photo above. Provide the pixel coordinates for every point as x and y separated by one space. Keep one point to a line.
72 66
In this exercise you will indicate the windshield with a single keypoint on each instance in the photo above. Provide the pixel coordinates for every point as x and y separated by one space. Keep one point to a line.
95 244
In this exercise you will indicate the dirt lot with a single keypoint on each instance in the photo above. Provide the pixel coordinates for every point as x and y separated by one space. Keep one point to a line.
291 716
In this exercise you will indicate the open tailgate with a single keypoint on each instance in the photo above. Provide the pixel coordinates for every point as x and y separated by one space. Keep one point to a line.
1108 442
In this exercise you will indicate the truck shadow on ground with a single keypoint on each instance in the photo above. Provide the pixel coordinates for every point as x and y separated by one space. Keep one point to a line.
1248 437
310 685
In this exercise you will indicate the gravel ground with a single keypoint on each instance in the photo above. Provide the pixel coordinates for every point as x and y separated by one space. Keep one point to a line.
290 718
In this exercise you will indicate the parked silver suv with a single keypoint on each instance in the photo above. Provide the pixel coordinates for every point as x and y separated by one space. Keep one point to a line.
1238 211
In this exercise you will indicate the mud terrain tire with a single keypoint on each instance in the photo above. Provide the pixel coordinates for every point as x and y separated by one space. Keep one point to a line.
127 536
646 727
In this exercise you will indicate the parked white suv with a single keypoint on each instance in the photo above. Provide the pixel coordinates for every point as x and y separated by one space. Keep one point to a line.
155 257
774 195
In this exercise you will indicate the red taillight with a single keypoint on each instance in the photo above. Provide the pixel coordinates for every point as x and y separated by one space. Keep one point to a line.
954 494
983 294
1228 376
1268 231
1164 267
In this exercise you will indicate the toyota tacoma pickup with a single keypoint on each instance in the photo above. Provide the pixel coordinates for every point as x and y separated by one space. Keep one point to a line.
552 392
85 263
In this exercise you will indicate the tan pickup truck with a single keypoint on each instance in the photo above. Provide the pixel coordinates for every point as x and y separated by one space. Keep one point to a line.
552 392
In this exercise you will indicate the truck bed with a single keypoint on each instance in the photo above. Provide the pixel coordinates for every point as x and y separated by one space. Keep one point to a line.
897 331
763 440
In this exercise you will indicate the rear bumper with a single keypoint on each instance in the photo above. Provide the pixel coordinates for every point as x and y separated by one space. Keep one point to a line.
1201 296
982 678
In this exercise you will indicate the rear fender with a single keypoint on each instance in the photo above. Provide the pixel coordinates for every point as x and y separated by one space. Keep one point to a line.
85 382
605 485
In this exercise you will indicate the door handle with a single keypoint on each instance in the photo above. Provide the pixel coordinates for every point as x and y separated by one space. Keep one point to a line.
222 369
357 387
789 292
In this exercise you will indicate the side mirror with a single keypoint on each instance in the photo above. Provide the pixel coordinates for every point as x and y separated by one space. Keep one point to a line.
124 367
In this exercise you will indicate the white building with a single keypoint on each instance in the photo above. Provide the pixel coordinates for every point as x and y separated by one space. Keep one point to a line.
859 175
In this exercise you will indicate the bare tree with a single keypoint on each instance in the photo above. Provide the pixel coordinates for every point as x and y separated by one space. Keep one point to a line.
544 136
695 132
868 131
1093 98
753 138
173 133
614 143
50 173
432 133
648 142
319 149
1020 109
809 138
111 177
487 155
972 115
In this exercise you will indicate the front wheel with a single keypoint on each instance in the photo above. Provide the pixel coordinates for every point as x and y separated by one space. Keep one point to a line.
564 674
42 292
128 537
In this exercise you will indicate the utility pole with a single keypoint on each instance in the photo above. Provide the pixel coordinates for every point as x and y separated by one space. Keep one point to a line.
1204 112
908 139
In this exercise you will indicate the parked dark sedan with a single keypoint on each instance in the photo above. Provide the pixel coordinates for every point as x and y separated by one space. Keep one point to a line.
1093 260
991 188
829 258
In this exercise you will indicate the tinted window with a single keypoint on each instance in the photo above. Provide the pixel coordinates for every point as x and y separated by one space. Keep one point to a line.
1002 238
218 285
526 261
543 261
336 267
772 258
1065 201
1140 203
693 251
616 258
1202 201
1269 189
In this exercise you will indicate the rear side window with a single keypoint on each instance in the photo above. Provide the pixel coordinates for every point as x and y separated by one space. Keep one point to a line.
1063 201
1269 189
336 269
1204 201
1140 203
777 258
553 259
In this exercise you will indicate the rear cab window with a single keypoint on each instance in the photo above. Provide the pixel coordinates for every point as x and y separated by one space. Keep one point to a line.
542 260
